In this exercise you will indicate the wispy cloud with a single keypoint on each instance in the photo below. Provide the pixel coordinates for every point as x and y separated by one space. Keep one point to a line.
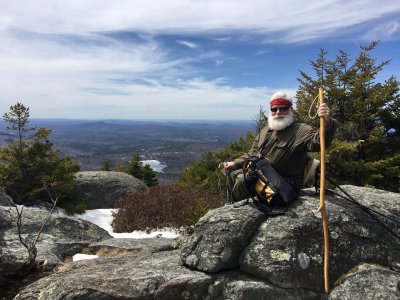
222 39
182 16
187 44
182 99
260 52
219 62
385 31
104 58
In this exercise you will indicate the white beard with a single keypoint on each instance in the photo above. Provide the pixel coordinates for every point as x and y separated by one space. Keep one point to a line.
281 123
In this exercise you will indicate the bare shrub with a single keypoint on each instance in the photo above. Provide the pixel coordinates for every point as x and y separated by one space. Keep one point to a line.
163 206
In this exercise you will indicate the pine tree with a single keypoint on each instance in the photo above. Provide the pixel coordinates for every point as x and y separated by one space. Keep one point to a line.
367 149
149 176
143 172
106 165
260 120
30 165
135 166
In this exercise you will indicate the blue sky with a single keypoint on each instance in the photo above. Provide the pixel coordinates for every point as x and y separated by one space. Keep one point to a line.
176 59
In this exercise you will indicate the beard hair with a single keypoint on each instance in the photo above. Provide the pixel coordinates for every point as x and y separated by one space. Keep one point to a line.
280 123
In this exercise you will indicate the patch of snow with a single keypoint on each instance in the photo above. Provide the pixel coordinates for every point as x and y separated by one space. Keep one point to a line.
81 256
103 218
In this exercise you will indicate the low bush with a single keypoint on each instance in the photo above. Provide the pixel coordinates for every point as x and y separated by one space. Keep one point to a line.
163 206
71 208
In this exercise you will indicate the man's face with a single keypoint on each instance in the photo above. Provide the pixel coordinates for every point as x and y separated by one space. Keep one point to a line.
280 117
279 111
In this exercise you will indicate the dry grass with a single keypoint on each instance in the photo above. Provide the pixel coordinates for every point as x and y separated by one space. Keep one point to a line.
163 206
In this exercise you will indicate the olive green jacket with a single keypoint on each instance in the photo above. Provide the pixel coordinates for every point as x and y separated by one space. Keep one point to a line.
287 149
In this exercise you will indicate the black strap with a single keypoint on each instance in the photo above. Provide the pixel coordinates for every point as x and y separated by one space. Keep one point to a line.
271 210
351 199
265 208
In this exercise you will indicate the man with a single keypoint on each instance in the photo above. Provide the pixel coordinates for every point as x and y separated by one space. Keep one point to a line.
284 142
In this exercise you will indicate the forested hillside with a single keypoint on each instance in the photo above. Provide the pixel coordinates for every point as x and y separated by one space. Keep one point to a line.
174 143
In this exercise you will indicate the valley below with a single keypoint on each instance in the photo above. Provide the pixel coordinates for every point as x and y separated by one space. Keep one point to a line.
174 144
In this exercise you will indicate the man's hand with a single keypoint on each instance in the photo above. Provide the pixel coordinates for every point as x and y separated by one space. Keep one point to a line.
324 111
227 166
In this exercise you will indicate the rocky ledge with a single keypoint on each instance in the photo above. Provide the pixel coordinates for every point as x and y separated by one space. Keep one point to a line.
101 189
237 252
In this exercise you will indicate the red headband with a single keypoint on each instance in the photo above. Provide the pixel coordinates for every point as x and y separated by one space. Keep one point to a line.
280 101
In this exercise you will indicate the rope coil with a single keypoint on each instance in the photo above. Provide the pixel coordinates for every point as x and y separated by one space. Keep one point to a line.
311 106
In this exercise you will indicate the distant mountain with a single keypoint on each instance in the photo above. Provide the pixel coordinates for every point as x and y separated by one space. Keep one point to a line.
174 142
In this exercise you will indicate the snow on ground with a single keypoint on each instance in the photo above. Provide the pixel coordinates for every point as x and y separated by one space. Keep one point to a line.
81 256
103 219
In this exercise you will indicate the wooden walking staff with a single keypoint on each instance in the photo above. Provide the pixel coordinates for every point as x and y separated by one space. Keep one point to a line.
322 207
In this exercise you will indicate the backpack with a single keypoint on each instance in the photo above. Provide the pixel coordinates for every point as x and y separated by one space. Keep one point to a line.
265 183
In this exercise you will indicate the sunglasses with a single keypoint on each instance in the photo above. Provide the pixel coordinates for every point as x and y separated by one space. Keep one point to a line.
281 109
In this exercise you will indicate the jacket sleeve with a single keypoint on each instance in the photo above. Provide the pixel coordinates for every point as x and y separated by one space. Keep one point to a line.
253 151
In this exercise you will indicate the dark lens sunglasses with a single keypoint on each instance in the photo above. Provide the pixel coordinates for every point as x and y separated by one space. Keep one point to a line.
281 109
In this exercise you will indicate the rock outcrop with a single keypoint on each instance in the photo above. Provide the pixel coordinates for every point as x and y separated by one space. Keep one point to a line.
288 250
220 237
5 200
368 282
101 189
236 252
159 276
61 237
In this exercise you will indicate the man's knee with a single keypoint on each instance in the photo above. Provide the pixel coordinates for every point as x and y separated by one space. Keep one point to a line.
237 186
232 177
